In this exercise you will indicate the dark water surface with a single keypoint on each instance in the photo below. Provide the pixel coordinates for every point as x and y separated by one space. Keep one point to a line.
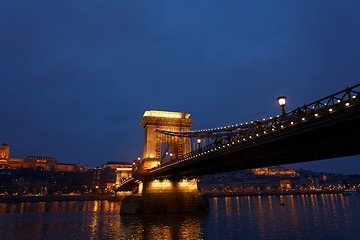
327 216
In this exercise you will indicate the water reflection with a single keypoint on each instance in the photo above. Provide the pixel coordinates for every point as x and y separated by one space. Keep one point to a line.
71 206
164 226
302 216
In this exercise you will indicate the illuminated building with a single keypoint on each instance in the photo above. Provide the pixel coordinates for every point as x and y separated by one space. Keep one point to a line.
285 184
275 171
65 167
34 162
123 171
4 151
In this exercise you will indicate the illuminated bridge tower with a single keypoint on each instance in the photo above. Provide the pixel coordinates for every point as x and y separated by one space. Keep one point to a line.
164 195
159 148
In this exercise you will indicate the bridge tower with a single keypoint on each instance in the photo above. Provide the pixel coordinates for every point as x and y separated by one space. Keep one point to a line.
164 195
156 145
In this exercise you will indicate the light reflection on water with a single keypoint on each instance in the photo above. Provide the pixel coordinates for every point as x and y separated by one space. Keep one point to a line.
302 216
41 207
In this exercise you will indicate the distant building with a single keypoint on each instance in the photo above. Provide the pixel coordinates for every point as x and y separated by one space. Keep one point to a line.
4 155
4 151
285 184
123 171
34 162
65 167
275 171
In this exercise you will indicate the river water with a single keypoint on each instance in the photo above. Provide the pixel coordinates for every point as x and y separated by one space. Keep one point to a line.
326 216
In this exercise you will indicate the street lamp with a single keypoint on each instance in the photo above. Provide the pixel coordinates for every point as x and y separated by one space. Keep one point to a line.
198 142
282 102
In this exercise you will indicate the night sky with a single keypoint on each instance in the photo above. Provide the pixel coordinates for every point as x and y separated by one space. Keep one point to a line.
77 75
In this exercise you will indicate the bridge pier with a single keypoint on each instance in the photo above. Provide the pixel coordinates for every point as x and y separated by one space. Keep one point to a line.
165 196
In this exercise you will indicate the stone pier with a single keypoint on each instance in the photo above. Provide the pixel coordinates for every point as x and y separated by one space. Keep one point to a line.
165 196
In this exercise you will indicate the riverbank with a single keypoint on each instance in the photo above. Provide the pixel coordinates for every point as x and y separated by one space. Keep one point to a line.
52 198
94 197
245 194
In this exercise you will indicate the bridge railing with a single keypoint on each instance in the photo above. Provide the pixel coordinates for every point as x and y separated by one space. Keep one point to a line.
325 106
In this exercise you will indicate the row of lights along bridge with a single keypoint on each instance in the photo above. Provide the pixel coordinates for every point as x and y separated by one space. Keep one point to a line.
282 102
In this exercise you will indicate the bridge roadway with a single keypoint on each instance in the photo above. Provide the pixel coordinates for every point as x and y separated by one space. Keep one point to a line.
332 135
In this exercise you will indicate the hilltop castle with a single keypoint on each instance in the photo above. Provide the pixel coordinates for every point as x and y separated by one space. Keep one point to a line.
34 162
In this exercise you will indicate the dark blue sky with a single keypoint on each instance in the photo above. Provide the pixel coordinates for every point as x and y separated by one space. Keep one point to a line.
76 76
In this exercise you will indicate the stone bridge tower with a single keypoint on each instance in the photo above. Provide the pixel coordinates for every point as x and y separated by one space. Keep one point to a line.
164 195
156 145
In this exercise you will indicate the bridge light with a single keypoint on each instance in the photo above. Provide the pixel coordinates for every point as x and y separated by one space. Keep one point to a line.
354 97
347 104
330 110
316 114
292 123
282 102
338 101
303 119
198 140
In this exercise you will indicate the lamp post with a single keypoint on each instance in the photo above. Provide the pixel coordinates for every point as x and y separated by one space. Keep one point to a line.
282 102
198 142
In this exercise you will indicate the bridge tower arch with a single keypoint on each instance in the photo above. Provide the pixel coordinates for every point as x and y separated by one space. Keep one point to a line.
155 142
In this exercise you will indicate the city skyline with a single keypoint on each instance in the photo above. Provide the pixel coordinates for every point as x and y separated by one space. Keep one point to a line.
78 76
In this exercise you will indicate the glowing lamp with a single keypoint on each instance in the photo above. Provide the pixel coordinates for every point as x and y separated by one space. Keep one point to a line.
282 102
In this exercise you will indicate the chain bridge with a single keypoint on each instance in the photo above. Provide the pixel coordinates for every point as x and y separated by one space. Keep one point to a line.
175 155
